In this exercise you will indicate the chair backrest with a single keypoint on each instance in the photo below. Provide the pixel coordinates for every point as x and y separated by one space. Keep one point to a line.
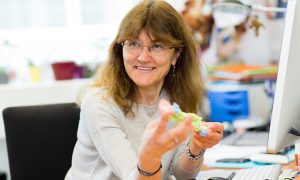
40 140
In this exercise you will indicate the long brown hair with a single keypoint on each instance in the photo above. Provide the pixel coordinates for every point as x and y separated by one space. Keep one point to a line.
166 25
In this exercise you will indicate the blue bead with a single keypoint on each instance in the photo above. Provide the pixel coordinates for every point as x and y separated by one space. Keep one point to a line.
176 108
203 132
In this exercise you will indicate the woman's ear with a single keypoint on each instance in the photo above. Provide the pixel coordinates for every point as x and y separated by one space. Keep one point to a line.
175 57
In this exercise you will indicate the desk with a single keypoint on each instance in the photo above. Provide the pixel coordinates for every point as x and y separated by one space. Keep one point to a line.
221 151
207 172
290 165
210 168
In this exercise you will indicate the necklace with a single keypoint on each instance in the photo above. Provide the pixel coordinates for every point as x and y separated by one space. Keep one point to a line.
151 109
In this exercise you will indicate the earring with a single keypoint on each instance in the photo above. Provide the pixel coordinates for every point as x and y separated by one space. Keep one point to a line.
173 70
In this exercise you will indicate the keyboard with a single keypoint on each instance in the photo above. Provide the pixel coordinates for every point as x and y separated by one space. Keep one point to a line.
268 172
248 138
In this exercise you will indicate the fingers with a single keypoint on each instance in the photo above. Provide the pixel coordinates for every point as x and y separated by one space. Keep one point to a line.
164 106
214 126
182 131
215 134
215 130
209 141
175 136
166 111
178 134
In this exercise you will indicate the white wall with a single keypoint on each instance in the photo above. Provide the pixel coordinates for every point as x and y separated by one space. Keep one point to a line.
265 47
256 50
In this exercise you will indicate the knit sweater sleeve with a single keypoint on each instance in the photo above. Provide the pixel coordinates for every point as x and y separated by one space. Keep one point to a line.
104 121
178 170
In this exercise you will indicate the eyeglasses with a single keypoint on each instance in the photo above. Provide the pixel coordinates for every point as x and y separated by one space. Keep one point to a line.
135 48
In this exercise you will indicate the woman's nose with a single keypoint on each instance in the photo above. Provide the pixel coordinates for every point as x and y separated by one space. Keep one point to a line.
145 54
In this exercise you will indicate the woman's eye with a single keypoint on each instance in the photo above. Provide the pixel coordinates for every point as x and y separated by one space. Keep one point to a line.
157 46
133 44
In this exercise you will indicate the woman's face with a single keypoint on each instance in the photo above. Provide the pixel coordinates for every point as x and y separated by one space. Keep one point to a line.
147 68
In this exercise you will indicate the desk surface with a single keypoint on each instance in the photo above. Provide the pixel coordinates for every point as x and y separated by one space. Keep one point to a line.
207 172
290 165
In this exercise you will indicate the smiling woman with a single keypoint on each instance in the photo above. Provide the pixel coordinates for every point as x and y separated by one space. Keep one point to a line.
124 130
157 29
147 67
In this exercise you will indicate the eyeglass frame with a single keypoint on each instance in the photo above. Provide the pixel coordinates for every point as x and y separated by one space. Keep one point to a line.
148 47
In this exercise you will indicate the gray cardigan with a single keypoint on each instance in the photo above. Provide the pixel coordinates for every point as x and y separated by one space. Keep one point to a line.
108 142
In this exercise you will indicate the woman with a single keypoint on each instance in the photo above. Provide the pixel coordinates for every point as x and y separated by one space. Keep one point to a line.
124 131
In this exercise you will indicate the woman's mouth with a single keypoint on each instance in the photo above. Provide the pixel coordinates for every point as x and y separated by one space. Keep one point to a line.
144 68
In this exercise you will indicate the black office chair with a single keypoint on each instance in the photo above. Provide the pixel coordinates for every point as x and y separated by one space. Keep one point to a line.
40 140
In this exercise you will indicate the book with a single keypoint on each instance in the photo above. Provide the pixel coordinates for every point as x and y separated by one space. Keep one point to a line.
244 73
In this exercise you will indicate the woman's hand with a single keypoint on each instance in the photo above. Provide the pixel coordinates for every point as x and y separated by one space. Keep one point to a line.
157 140
215 134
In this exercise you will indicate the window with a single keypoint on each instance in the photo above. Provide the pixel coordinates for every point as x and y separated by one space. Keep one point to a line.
46 31
16 14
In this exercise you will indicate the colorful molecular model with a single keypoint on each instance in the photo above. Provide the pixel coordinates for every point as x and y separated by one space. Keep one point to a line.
179 115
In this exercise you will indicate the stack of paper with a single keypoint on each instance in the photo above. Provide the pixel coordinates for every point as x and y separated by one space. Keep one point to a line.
244 73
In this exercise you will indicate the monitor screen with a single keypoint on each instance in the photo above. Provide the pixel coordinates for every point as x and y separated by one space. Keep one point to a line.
286 106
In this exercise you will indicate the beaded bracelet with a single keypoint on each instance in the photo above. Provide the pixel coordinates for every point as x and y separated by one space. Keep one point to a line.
192 156
144 173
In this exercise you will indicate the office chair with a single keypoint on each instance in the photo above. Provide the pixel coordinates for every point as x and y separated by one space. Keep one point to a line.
2 175
40 140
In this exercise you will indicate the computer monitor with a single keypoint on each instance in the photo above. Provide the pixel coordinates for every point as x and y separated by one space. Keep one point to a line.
286 105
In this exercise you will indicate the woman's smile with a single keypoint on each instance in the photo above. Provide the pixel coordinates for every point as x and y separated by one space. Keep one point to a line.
145 69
